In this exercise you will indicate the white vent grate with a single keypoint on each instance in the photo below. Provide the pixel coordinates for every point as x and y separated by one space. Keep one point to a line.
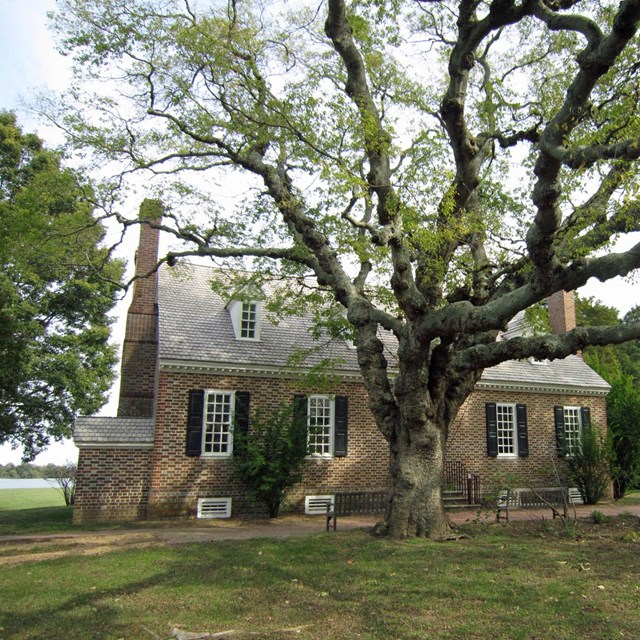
574 496
214 507
317 505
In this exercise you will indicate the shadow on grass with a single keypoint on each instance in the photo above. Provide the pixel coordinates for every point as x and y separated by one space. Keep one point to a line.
36 520
345 585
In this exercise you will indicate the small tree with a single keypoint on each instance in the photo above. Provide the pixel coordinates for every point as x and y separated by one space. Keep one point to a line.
269 458
65 479
589 466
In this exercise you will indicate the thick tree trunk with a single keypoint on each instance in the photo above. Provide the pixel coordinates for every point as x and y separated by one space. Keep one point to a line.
415 507
414 416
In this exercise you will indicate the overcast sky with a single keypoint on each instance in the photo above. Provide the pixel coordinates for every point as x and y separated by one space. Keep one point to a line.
28 61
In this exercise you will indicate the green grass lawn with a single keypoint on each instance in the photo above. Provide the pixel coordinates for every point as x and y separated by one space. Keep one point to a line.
33 511
524 580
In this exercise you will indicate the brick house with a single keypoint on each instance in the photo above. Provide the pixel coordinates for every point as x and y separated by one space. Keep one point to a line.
193 364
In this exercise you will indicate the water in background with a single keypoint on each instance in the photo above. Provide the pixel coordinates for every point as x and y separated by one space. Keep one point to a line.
26 483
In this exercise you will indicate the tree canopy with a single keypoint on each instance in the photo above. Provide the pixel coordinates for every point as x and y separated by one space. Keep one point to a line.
57 286
437 166
619 365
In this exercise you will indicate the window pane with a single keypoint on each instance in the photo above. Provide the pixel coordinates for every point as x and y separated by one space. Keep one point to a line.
320 425
572 427
217 427
248 320
506 429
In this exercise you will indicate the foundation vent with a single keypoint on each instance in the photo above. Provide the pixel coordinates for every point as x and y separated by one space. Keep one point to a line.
317 505
214 507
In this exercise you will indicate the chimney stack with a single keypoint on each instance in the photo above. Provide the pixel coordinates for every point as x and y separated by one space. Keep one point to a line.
562 311
140 349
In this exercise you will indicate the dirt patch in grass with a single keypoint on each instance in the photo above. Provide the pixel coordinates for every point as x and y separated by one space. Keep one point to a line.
620 528
36 549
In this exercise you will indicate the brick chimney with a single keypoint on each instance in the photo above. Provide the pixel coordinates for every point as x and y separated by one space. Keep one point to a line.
562 311
140 349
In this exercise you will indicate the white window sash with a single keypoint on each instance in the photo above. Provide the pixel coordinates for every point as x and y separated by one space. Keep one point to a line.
572 428
327 435
507 434
223 428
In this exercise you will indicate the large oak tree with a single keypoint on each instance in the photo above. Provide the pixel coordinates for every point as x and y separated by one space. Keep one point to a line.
436 165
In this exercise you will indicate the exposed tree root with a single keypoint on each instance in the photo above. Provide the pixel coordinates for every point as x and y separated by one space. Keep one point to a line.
445 534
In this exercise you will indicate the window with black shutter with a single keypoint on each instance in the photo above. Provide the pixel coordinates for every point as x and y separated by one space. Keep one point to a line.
507 432
570 422
327 422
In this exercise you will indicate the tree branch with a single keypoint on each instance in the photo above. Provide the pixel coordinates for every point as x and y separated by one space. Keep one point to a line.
595 60
549 347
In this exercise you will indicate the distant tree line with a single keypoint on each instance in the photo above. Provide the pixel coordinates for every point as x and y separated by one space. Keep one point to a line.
28 470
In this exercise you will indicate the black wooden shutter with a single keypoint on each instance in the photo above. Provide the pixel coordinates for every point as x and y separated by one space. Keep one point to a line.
241 418
341 426
194 422
561 442
585 415
492 429
300 409
523 434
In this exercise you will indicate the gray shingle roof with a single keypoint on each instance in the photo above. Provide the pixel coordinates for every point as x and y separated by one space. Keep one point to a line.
99 430
195 327
569 374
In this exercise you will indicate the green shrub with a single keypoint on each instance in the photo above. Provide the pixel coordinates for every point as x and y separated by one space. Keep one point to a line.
589 466
597 517
269 458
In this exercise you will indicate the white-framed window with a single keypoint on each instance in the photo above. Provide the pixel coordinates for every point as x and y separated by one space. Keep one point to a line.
217 427
249 320
572 428
507 430
320 425
245 319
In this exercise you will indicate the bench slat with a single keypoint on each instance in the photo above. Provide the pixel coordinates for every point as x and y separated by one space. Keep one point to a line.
356 503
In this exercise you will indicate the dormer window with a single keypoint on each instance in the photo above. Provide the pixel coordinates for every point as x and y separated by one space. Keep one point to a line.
245 318
249 321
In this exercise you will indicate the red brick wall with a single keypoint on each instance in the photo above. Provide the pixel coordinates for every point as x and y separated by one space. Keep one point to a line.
178 480
468 438
145 289
140 349
113 484
139 366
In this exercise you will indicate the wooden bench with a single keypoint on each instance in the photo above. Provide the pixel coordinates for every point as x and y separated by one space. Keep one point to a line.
555 498
355 503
